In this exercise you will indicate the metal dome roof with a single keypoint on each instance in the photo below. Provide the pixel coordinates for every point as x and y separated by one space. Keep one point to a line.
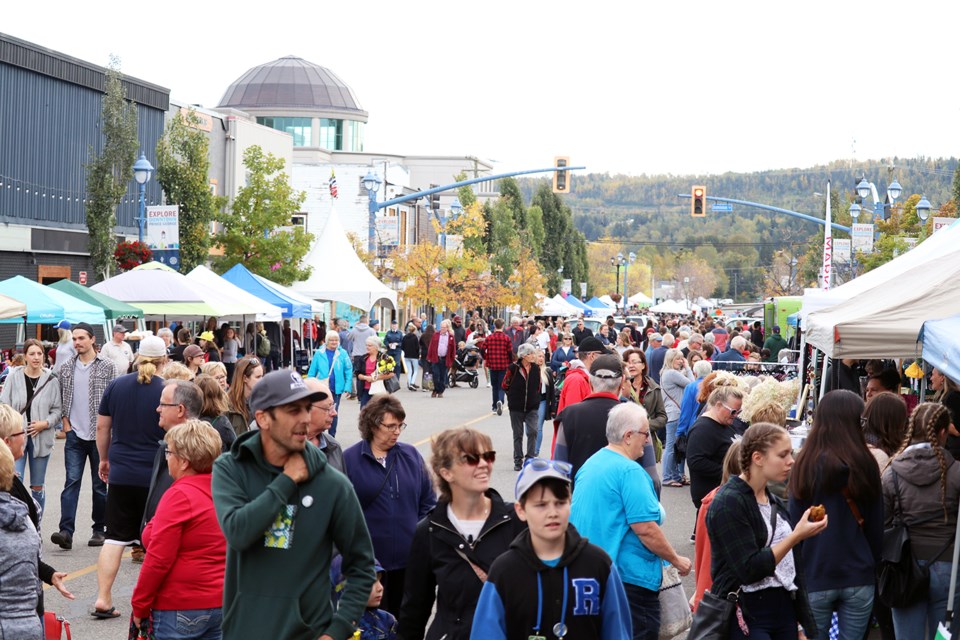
291 83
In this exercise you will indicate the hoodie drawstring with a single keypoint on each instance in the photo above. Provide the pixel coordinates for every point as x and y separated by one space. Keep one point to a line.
563 612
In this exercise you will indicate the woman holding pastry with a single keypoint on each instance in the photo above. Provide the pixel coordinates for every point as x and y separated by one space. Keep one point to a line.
754 543
835 469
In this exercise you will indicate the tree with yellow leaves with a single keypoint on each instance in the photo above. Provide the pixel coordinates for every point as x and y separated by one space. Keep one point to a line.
526 281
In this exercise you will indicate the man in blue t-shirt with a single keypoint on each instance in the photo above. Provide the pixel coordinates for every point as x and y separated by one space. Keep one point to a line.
616 508
128 430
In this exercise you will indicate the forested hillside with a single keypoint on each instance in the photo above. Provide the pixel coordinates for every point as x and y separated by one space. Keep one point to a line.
643 214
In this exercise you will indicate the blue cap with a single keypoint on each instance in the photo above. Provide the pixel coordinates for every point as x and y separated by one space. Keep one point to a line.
64 324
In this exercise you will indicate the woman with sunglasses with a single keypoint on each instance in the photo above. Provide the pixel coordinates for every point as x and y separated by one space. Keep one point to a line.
710 437
457 542
394 488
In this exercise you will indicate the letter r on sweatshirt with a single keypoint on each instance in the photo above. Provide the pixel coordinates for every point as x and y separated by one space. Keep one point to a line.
586 597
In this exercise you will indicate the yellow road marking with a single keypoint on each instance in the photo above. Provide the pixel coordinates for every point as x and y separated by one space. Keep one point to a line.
468 423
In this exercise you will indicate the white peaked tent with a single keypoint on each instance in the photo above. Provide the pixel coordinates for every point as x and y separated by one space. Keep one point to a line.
883 322
557 306
671 306
936 247
640 299
338 273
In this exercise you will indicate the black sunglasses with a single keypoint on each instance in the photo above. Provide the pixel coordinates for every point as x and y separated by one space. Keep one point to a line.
473 459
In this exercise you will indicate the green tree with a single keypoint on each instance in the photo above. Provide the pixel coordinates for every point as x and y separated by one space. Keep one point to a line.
183 166
503 241
257 231
535 233
109 173
563 245
511 196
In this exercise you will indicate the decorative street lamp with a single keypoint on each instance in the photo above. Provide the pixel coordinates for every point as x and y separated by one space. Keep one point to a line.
923 209
618 261
865 189
142 170
372 182
626 292
455 210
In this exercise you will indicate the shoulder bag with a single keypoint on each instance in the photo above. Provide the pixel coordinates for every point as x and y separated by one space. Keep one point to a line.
901 580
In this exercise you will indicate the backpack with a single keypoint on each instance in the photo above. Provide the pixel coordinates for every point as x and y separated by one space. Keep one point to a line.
557 388
263 346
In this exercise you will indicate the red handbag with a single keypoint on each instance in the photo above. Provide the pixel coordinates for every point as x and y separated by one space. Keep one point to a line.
54 627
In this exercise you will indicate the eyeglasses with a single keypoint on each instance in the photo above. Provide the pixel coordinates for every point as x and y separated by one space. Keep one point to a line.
645 434
733 412
170 452
169 404
394 427
322 408
473 459
541 464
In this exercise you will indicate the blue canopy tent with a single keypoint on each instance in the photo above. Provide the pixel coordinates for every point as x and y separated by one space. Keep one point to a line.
587 311
46 305
597 303
243 278
940 346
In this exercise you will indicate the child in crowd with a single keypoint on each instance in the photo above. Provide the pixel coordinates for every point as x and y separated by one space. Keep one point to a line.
376 624
551 583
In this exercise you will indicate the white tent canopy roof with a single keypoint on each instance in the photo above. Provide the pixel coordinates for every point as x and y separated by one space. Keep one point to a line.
557 306
210 280
883 322
10 308
935 247
671 306
339 274
639 298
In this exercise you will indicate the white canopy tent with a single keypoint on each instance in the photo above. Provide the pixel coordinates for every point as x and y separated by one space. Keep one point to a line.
936 247
671 306
211 281
10 308
557 306
884 321
339 274
640 299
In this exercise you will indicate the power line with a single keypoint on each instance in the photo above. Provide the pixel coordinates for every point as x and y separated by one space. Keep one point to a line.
693 243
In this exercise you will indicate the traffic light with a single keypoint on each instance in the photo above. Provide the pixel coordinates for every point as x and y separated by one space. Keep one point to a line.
435 200
561 180
698 201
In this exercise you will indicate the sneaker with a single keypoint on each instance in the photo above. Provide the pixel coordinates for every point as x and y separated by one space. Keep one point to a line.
488 385
517 466
62 539
96 540
693 538
500 411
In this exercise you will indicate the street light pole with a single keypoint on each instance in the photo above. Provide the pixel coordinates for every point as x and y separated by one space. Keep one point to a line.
617 262
142 170
372 182
626 272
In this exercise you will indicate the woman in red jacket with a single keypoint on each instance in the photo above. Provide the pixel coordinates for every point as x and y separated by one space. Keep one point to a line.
443 348
182 575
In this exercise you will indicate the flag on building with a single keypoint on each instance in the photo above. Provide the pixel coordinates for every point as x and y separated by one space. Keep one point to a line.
333 185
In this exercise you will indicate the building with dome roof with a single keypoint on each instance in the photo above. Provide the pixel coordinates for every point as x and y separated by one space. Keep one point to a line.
301 98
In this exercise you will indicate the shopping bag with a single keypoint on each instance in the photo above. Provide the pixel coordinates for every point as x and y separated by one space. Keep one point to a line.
55 627
675 616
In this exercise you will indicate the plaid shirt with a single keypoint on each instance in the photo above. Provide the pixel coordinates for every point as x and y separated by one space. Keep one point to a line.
102 373
739 558
497 351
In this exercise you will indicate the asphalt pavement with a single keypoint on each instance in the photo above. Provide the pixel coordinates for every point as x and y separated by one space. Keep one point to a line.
426 416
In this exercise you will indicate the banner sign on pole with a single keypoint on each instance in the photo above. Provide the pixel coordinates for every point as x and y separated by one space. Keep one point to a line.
583 289
942 223
861 238
841 250
566 285
163 234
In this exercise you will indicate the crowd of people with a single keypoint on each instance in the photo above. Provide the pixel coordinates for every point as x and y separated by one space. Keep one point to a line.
401 547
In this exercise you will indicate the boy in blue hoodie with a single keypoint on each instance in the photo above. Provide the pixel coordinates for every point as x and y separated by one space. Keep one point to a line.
551 583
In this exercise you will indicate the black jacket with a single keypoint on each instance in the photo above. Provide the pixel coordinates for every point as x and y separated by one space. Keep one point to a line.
523 394
515 577
584 429
436 571
707 444
410 345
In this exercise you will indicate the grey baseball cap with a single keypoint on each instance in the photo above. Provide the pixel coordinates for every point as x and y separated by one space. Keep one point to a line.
607 366
278 388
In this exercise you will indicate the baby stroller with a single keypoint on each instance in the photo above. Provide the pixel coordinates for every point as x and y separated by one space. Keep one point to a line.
465 366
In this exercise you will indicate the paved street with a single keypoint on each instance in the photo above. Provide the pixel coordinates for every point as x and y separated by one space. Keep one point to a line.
425 416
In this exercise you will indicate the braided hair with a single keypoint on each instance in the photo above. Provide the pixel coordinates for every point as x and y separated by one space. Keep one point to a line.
927 422
759 437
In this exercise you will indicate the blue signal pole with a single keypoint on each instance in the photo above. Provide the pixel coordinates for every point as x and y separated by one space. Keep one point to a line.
766 207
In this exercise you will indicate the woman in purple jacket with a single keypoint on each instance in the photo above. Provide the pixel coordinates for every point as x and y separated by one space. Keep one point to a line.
394 489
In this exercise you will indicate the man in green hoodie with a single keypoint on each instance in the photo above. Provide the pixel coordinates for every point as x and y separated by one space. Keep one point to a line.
775 343
282 509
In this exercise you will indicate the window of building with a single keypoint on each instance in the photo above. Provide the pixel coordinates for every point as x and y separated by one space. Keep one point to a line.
300 128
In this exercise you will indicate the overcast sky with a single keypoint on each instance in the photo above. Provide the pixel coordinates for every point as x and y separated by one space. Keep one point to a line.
624 87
